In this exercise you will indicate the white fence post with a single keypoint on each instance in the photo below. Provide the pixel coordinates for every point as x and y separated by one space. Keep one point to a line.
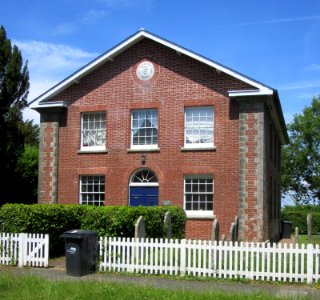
183 257
46 254
22 249
309 263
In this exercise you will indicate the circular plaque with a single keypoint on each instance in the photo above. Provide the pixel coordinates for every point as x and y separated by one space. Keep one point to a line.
145 70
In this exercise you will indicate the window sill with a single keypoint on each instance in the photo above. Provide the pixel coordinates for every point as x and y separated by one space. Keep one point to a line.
186 149
194 216
92 151
143 150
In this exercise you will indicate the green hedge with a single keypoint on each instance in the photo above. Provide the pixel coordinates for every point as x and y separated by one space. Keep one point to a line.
298 216
107 221
52 219
119 220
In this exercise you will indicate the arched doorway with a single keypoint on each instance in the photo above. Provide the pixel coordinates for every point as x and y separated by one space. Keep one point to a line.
143 188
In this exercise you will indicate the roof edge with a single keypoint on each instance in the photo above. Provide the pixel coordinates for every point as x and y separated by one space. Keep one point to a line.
127 43
276 105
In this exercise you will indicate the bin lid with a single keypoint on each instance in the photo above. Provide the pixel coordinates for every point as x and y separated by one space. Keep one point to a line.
286 222
78 234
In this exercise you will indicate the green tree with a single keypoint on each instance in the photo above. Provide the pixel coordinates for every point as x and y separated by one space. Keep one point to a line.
30 132
14 88
27 168
301 158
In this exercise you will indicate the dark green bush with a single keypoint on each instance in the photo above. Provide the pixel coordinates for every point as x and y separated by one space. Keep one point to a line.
107 221
44 218
119 220
298 216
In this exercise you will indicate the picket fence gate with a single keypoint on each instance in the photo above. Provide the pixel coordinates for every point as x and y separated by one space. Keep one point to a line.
24 249
259 261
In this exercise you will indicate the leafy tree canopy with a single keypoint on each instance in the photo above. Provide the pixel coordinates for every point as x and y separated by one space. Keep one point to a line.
14 132
301 158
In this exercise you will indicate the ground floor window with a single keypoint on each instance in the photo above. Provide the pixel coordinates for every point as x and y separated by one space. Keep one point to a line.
92 190
198 194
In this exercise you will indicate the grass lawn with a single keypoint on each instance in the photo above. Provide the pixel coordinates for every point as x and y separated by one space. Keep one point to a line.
32 287
303 239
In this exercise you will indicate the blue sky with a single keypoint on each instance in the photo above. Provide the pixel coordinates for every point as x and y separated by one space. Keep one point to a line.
276 42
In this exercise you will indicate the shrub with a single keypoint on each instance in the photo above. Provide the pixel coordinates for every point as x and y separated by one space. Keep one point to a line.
298 216
44 218
119 220
107 221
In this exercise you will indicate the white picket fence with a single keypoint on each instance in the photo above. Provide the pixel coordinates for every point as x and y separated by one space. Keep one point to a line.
270 262
24 249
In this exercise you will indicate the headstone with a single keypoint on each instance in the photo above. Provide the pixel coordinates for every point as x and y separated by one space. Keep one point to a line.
296 235
140 228
236 222
309 222
215 230
223 238
232 232
167 224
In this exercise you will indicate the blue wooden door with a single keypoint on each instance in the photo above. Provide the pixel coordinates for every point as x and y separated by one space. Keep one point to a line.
145 196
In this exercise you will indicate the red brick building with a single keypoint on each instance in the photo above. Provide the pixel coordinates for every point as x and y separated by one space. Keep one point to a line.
152 123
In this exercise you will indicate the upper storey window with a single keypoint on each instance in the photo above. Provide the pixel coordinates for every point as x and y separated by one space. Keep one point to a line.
93 131
144 129
198 131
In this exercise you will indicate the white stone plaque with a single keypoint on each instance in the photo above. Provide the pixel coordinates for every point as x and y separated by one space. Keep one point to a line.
145 70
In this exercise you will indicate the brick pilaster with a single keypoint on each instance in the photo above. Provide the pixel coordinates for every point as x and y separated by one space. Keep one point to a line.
48 158
252 170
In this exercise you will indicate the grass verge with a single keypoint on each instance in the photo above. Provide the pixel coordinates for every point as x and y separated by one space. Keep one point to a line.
33 287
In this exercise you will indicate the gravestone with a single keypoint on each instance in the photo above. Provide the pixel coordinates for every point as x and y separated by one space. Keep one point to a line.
215 230
232 232
296 235
236 222
309 222
140 228
167 224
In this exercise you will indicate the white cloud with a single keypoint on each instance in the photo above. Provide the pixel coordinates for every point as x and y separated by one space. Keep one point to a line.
288 117
306 96
312 67
73 26
48 64
46 58
92 15
284 20
37 87
300 85
65 28
30 114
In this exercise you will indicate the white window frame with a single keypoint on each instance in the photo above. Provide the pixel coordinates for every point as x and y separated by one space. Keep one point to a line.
134 128
97 122
194 123
84 190
198 213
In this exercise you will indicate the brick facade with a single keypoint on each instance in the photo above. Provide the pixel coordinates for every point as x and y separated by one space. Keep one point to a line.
238 163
